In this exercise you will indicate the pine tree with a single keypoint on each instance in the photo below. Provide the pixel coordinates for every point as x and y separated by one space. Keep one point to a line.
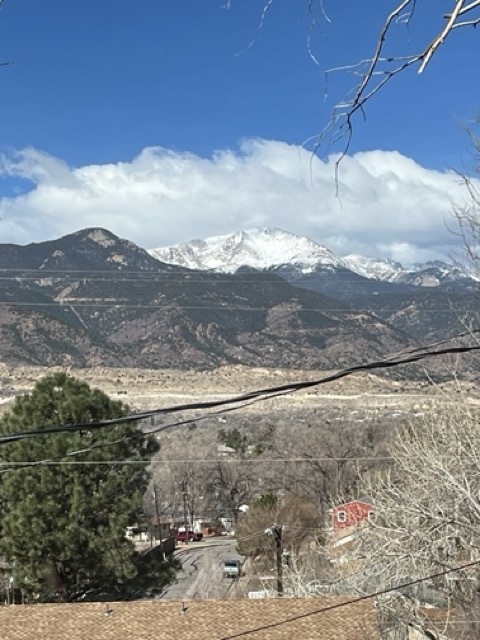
234 439
63 526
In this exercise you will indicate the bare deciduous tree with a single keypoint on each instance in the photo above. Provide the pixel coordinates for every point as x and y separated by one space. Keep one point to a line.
299 522
334 457
467 214
427 520
232 485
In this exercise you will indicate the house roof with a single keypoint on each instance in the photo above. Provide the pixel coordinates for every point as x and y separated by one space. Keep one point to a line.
245 619
222 448
353 503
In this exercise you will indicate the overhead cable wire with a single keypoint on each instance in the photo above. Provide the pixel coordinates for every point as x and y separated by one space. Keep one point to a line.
145 276
257 395
172 271
67 304
235 461
341 605
104 445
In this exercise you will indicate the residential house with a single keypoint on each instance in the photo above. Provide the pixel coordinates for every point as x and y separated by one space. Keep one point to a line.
160 528
205 526
147 535
138 534
348 517
225 452
319 618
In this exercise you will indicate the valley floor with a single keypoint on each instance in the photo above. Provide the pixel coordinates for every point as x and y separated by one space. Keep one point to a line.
144 389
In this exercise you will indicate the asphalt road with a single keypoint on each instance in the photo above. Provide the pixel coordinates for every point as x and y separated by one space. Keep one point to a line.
201 575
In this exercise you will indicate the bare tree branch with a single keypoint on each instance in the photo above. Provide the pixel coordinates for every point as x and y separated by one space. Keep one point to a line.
375 71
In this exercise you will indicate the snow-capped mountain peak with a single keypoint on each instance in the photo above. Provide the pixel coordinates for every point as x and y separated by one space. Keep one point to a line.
427 274
260 248
297 258
376 268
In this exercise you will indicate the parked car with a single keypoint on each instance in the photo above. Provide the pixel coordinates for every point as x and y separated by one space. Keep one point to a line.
193 536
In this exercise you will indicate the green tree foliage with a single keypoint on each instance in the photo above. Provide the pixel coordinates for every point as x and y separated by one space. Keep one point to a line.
261 441
266 501
63 525
233 439
265 440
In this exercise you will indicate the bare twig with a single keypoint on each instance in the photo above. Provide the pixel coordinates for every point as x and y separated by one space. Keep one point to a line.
266 8
375 71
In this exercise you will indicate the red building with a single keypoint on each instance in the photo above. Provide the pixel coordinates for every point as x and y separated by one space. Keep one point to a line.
350 514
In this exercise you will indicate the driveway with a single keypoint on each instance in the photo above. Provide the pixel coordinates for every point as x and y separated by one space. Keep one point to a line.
201 575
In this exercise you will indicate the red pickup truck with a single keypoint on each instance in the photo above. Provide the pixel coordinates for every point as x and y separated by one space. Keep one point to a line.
181 536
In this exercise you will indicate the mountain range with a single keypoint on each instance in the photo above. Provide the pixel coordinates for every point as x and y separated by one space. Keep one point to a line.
91 298
304 262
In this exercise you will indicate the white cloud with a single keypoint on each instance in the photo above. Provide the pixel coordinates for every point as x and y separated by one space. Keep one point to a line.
388 204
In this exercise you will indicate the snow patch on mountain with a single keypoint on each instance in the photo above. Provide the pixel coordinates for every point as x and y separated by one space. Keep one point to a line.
376 268
427 274
259 248
267 248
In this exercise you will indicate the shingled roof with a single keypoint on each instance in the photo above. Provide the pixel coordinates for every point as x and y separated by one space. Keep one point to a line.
272 619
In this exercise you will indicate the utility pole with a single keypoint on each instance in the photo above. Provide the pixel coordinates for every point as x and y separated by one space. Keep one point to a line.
276 530
185 519
157 512
278 538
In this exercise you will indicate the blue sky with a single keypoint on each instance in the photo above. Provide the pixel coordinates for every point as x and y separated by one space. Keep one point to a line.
97 82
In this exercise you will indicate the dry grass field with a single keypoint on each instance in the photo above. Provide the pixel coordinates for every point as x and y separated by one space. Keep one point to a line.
147 388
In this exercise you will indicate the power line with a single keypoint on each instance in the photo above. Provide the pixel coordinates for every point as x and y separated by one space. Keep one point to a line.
258 395
89 426
136 434
103 445
251 536
341 605
177 273
160 278
235 461
143 276
65 304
